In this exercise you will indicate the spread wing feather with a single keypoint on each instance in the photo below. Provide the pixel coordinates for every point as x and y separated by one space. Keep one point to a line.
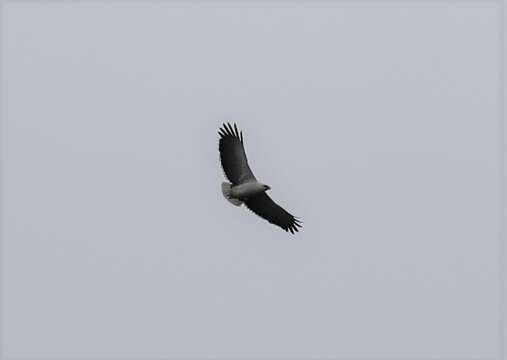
233 156
266 208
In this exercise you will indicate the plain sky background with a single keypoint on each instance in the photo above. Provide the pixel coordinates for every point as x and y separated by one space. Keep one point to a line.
377 123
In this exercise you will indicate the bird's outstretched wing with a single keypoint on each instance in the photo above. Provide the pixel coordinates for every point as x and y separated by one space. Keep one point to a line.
265 207
232 155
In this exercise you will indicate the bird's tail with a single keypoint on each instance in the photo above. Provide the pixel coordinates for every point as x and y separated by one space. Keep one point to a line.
226 191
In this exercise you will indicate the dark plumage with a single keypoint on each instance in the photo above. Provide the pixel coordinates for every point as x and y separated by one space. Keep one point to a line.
232 155
244 187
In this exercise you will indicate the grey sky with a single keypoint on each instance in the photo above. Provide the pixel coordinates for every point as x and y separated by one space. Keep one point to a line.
376 123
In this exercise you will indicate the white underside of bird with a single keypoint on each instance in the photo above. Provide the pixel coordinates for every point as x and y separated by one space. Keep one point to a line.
236 193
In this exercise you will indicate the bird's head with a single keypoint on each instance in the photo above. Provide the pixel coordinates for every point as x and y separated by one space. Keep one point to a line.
266 187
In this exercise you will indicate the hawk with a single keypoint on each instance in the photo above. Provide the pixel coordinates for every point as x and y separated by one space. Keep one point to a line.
244 187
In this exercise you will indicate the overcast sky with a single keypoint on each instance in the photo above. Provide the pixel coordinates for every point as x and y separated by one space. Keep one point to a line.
376 123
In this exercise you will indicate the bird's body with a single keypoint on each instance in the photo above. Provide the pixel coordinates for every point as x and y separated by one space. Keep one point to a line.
248 189
244 187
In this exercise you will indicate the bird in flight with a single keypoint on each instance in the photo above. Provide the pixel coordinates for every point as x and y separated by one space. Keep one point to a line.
244 187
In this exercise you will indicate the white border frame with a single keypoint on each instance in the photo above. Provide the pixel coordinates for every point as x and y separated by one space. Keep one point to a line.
502 231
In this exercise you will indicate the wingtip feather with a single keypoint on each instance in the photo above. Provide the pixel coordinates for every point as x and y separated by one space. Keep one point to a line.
228 129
